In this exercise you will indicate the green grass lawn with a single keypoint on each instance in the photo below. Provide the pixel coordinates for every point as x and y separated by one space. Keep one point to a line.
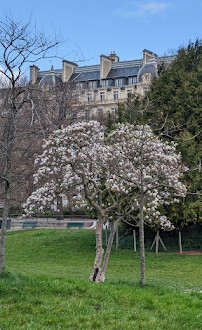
46 286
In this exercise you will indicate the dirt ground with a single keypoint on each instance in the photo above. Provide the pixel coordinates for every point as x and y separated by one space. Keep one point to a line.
190 252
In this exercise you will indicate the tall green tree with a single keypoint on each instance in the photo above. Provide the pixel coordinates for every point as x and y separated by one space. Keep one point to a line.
177 93
173 108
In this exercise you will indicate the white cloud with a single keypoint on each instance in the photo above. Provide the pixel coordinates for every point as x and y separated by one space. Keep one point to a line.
151 8
144 9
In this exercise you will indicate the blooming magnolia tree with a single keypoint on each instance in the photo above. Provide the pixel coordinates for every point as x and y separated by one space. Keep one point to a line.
132 170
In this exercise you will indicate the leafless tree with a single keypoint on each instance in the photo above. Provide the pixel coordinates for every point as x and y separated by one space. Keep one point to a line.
20 44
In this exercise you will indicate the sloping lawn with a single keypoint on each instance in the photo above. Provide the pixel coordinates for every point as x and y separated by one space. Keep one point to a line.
46 286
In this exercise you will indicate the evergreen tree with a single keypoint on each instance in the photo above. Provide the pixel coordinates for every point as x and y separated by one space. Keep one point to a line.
177 93
173 108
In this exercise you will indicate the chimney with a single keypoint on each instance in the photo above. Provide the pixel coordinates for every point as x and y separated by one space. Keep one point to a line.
114 57
148 55
67 70
33 74
105 66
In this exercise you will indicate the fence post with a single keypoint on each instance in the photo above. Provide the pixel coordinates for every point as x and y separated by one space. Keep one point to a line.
134 239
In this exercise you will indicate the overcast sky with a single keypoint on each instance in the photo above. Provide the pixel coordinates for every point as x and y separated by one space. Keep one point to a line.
94 27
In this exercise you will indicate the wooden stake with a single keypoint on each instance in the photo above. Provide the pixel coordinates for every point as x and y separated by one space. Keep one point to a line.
157 242
153 243
162 243
134 239
180 241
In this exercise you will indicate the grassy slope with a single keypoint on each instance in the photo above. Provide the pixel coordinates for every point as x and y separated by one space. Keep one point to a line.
47 286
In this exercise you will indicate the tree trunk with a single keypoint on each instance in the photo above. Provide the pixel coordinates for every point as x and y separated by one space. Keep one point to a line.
60 215
69 197
96 274
106 235
10 137
141 233
3 228
117 239
109 247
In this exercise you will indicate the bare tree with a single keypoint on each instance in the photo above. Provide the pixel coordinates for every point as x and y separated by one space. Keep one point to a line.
20 44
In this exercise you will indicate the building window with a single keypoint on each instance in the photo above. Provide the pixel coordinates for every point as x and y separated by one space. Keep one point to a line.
132 80
89 97
119 82
80 86
92 84
113 111
129 93
105 83
147 77
116 95
102 96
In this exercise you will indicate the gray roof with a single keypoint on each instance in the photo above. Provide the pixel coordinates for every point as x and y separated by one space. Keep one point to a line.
50 79
123 72
113 73
147 68
85 76
86 68
166 59
42 74
127 64
118 70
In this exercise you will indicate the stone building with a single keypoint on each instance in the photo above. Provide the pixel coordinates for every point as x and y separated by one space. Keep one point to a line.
100 87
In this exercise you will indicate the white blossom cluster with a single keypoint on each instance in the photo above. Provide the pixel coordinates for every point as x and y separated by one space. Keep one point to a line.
131 159
54 175
149 165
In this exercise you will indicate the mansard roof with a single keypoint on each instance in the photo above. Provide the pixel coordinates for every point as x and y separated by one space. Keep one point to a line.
51 79
121 69
42 74
147 68
123 72
85 76
118 70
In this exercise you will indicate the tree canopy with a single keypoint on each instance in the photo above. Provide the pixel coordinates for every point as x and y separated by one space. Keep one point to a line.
177 93
172 107
131 164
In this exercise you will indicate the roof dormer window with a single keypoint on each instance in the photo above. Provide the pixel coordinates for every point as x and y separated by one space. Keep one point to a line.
106 83
132 80
79 85
118 82
93 84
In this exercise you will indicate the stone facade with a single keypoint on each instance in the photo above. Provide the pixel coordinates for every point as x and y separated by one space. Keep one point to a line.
100 87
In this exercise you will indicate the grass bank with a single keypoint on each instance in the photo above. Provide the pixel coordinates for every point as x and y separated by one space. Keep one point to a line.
46 287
